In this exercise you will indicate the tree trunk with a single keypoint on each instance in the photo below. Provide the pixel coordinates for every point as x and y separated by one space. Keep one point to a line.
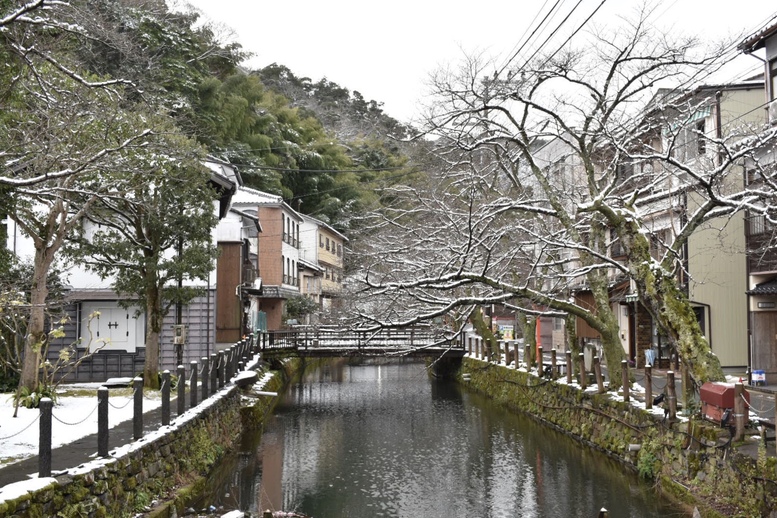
492 345
154 329
680 323
671 310
610 331
36 337
529 326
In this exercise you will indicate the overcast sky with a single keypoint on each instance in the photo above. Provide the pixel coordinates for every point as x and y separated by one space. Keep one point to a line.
387 50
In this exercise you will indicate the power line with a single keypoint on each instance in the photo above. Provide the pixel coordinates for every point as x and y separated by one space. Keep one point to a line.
296 170
515 53
579 28
552 34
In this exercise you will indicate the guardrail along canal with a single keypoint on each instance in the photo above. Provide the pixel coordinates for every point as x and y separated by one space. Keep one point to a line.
388 441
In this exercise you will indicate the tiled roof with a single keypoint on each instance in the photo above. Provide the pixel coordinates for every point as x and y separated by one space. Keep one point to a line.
765 288
758 40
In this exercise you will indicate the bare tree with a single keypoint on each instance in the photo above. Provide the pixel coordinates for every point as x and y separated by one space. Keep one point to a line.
67 127
555 164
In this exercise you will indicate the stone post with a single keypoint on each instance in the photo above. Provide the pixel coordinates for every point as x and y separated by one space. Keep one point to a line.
648 386
221 368
137 414
102 422
598 373
193 389
581 366
625 379
671 394
569 367
44 441
214 373
227 364
165 398
739 411
553 366
205 377
181 390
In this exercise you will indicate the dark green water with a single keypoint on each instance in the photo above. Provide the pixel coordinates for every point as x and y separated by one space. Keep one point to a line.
386 441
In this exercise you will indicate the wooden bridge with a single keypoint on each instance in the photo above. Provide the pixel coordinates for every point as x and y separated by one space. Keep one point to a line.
386 342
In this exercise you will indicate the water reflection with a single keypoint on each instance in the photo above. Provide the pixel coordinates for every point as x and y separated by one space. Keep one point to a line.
385 441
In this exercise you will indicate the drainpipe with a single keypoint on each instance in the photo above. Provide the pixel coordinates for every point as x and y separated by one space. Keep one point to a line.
719 126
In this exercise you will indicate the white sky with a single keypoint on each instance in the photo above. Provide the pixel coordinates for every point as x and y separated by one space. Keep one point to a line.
387 50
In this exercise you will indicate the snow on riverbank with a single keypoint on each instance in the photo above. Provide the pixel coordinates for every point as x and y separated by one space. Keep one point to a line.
73 418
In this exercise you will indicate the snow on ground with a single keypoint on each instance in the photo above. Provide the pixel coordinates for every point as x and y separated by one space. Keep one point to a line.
73 417
19 436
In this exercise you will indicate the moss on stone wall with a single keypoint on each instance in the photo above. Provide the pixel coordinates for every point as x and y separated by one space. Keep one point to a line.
159 469
689 460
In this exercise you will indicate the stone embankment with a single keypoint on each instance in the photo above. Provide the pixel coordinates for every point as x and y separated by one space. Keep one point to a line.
167 465
692 461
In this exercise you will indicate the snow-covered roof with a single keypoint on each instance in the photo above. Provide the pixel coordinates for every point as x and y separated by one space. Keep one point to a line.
310 266
317 222
251 217
758 39
246 196
224 169
249 196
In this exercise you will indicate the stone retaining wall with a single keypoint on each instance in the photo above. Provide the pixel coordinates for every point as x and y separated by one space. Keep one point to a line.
690 460
150 469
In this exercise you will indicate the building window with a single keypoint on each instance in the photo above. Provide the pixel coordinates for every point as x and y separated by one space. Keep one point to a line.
773 79
756 224
327 244
701 138
339 250
320 241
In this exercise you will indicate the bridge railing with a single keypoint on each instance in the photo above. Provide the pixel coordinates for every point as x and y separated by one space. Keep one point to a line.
388 338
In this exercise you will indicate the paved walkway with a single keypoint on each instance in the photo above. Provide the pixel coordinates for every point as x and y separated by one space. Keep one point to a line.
82 450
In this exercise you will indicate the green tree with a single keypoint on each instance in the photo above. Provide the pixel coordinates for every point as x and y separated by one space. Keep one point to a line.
299 307
156 232
62 139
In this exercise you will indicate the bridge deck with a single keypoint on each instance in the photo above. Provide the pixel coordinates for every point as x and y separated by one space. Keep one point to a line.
387 343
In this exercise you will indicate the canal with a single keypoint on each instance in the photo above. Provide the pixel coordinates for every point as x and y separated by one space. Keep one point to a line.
385 440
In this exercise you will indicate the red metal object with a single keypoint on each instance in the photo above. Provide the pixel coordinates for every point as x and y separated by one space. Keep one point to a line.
716 398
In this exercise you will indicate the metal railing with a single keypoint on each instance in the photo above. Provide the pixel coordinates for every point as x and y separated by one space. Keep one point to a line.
385 339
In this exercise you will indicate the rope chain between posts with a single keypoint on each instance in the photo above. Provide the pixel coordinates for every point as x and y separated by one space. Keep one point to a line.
77 423
129 400
22 430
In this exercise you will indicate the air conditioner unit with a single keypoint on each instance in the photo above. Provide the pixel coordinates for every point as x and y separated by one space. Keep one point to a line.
773 112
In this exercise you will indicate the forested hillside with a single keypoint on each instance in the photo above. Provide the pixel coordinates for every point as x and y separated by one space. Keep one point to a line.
315 143
110 107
